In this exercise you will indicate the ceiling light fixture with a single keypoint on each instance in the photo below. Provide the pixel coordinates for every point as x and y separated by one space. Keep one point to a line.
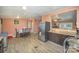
17 17
24 8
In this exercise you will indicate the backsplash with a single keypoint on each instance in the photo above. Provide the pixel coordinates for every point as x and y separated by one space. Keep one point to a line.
67 26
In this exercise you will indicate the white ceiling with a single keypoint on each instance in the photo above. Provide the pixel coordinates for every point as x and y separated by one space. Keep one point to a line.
31 11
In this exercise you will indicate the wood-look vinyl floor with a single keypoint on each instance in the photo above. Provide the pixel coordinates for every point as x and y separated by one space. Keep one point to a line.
31 44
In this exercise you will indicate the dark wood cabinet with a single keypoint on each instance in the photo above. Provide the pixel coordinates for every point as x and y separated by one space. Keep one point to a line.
56 38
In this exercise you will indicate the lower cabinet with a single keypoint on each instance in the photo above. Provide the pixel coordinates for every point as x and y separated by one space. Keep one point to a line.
57 38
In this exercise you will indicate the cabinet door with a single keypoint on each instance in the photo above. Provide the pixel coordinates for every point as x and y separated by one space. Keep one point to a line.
62 38
53 37
57 38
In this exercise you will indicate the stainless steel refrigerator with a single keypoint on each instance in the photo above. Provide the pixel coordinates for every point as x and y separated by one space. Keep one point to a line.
43 33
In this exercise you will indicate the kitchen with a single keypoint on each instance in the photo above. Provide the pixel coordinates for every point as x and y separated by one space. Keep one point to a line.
61 24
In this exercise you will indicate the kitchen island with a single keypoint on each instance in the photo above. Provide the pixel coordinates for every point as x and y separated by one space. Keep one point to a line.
58 35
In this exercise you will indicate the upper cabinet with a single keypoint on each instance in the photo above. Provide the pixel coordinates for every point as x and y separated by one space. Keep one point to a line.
46 18
65 20
68 20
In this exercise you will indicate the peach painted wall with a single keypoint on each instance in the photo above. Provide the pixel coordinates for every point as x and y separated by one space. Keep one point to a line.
46 18
35 25
22 23
77 17
9 26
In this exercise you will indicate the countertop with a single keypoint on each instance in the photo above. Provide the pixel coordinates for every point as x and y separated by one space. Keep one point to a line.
63 31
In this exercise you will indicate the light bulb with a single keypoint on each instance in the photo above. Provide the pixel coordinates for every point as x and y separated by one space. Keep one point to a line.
17 17
24 8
